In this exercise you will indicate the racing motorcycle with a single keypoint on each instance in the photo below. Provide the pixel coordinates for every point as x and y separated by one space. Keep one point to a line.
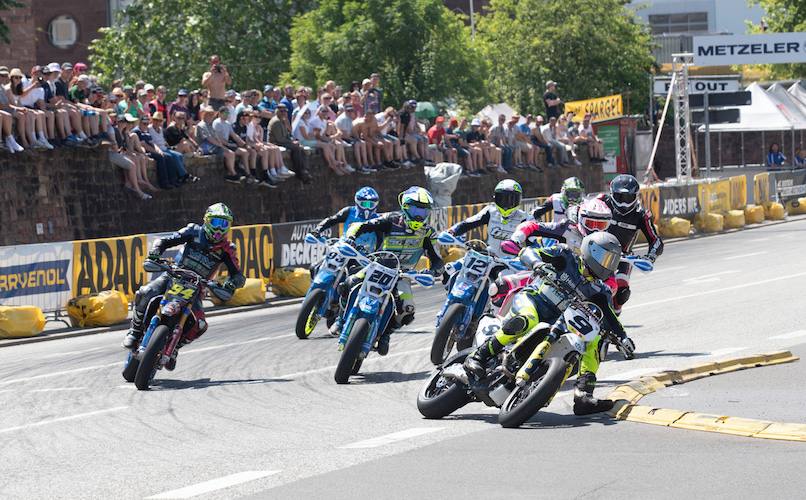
322 298
170 319
503 386
468 296
370 306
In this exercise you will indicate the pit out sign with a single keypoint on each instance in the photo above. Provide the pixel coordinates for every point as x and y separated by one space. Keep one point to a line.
701 85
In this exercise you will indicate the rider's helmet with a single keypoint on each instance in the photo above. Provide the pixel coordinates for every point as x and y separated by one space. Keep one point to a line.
507 197
416 204
624 190
593 215
366 201
601 254
217 221
572 191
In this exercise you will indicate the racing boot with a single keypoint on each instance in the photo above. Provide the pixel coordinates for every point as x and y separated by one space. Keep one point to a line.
475 363
383 341
335 328
584 402
132 339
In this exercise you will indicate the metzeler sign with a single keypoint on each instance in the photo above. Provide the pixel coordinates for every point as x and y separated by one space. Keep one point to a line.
770 48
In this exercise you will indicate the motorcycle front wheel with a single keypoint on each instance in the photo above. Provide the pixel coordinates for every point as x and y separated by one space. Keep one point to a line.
151 357
440 397
528 399
445 336
309 313
130 370
352 350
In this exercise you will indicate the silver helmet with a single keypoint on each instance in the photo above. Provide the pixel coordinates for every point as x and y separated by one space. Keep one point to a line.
601 253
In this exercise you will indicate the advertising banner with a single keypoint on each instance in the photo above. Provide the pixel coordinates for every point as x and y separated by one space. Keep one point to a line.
700 84
459 213
789 186
714 196
650 200
679 201
290 249
762 188
610 135
109 264
602 108
255 249
36 275
738 192
767 48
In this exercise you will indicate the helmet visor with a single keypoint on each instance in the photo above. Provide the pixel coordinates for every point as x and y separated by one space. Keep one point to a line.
507 200
416 213
219 223
573 195
368 204
606 259
595 224
625 199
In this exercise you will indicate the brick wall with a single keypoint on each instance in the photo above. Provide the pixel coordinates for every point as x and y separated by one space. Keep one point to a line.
78 194
21 52
90 15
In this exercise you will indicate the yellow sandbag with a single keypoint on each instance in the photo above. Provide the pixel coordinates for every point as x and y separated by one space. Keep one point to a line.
21 321
753 214
106 308
710 222
251 293
423 264
734 219
450 254
291 282
774 211
676 227
800 208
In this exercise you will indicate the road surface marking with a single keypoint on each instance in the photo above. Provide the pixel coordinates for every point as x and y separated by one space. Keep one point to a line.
707 278
725 351
59 374
215 484
231 344
70 353
329 368
56 389
61 419
392 438
710 292
790 335
741 256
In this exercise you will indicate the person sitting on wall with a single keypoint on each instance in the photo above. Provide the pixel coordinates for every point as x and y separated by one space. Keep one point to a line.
799 161
775 159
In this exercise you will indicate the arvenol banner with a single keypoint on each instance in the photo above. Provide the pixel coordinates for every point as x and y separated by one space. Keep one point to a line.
38 275
789 186
767 48
679 201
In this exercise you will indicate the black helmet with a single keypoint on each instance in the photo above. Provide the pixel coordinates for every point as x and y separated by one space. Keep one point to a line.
624 190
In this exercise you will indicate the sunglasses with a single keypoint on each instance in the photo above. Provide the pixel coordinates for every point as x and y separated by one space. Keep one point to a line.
219 223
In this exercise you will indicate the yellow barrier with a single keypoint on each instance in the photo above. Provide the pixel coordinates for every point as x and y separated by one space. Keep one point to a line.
676 227
105 308
710 222
291 282
253 292
753 214
714 196
734 219
800 208
761 188
774 211
738 192
21 321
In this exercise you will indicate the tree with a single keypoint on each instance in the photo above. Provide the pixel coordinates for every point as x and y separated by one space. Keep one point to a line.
421 49
592 48
169 41
784 16
6 5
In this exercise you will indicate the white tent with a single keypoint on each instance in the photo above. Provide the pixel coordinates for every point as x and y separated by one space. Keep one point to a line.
492 111
763 114
798 92
788 105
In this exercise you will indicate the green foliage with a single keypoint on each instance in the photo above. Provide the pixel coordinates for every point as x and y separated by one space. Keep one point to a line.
6 5
421 49
784 16
169 41
591 48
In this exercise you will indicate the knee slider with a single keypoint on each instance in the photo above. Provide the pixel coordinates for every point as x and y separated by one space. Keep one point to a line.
514 325
623 295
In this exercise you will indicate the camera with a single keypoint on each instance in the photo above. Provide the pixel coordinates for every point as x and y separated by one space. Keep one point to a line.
218 68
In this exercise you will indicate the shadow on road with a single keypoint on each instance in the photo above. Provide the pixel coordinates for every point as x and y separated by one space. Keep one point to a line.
388 377
548 420
203 383
664 354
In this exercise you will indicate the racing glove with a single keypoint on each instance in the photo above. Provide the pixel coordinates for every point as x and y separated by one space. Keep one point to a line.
316 234
154 254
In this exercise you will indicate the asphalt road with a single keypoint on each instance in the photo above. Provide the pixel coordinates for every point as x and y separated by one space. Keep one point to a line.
251 410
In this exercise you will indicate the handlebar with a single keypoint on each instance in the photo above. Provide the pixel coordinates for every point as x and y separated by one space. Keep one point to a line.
157 265
642 263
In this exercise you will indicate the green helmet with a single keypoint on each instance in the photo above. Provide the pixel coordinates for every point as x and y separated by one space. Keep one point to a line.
507 197
416 204
572 191
217 221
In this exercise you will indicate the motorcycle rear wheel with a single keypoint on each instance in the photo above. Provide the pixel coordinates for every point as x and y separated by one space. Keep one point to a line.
308 315
527 400
440 397
352 350
445 336
151 356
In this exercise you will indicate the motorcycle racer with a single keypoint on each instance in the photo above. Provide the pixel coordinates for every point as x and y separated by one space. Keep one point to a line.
206 249
582 274
366 202
571 193
406 234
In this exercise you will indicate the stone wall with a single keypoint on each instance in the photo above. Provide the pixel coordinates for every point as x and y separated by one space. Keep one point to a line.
21 52
77 194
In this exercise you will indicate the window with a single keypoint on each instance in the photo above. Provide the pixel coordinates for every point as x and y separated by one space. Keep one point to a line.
63 32
692 22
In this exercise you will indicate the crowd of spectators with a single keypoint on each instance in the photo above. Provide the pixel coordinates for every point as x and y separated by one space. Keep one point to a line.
63 105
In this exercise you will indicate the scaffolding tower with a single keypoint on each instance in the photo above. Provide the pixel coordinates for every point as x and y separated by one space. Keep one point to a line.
682 115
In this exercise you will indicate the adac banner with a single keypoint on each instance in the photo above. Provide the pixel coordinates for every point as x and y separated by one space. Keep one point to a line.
763 188
679 201
290 249
458 213
650 200
37 275
602 108
255 249
109 264
789 186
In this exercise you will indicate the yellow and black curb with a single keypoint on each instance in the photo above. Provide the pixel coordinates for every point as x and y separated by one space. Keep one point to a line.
627 396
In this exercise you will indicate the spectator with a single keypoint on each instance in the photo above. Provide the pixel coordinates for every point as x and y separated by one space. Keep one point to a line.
523 150
453 140
288 100
355 100
387 125
274 154
28 101
136 148
8 113
143 108
240 128
799 161
551 100
775 159
180 104
210 144
64 82
325 133
562 135
79 68
216 81
373 95
367 130
223 131
303 131
549 132
121 157
409 131
587 136
59 105
301 101
178 135
157 104
539 141
344 124
174 159
167 176
328 101
436 137
500 136
280 134
195 102
477 141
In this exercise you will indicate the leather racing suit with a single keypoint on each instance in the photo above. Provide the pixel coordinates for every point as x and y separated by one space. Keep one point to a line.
553 204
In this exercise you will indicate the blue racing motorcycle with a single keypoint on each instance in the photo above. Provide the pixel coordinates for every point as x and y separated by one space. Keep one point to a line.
370 306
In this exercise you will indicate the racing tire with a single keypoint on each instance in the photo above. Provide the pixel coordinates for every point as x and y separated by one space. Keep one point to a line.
352 350
308 314
528 399
445 337
130 370
436 402
150 358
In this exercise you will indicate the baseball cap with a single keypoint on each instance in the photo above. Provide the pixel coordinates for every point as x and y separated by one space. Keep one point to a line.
475 123
157 116
148 87
412 103
366 81
55 67
440 119
141 92
67 66
550 83
80 66
515 116
45 70
230 93
4 70
267 88
129 118
83 78
182 92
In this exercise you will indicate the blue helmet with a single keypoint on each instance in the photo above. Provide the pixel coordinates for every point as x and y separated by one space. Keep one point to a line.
366 201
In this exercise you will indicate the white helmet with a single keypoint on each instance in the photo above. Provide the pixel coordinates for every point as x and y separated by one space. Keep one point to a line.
593 215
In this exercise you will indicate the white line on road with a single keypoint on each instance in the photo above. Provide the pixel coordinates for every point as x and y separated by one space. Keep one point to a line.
741 256
58 389
710 292
630 375
392 438
662 270
215 484
70 353
328 368
705 276
61 419
231 344
790 335
59 374
726 351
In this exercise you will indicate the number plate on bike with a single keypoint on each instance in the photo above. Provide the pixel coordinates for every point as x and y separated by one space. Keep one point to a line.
581 323
180 290
334 260
475 266
379 279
